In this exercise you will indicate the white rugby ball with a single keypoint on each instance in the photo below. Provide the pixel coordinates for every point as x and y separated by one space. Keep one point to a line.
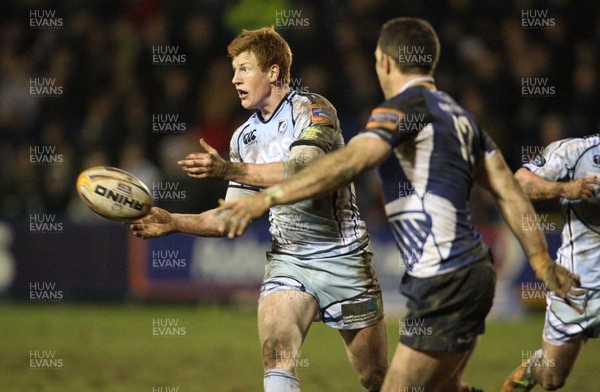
114 193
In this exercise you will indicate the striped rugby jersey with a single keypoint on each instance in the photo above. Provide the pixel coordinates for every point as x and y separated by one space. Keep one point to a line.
428 178
322 227
566 160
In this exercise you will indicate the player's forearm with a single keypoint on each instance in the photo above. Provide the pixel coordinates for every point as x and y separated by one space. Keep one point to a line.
518 212
324 175
200 225
256 175
267 174
537 188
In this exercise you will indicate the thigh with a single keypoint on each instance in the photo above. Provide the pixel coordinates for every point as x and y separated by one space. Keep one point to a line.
423 370
284 318
367 347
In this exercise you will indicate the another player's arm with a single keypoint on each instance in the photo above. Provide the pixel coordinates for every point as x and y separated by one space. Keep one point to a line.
212 165
330 172
538 188
323 175
515 207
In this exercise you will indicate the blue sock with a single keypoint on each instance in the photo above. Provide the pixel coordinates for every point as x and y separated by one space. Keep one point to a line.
277 380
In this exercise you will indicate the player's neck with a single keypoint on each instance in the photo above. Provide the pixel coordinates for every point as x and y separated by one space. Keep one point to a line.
401 82
273 101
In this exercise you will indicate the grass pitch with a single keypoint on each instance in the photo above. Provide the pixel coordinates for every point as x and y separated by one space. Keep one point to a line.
116 348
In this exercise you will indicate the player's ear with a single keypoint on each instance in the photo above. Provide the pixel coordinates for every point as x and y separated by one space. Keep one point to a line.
274 73
388 63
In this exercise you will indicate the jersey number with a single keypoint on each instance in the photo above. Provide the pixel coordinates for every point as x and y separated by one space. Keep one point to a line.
464 131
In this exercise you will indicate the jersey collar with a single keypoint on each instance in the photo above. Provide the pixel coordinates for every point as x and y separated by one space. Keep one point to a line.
426 81
287 97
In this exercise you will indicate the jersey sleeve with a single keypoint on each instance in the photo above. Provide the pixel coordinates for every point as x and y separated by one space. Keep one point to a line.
317 124
553 164
393 125
488 145
234 148
234 192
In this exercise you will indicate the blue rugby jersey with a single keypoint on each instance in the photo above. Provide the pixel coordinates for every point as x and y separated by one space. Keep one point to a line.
428 178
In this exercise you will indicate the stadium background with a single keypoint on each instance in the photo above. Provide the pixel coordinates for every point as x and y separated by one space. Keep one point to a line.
134 84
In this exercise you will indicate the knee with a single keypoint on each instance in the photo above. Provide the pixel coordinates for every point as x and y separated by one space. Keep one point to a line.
278 352
551 381
372 377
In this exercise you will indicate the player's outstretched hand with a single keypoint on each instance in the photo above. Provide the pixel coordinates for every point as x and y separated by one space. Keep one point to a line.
208 164
580 188
560 280
238 214
157 223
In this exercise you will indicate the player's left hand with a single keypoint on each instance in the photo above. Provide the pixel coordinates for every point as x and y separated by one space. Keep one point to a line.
208 164
238 214
562 281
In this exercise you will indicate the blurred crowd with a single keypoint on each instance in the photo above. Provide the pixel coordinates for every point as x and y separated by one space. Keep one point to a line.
134 84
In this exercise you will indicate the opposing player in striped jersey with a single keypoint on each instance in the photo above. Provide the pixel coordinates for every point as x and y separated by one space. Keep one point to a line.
569 170
319 266
436 152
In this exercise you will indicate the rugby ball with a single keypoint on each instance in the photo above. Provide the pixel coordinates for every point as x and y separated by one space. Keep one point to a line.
114 193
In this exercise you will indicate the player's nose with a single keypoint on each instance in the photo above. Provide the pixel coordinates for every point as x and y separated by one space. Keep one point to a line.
236 79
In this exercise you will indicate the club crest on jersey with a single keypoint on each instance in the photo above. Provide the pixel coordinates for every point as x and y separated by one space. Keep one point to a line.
539 160
596 160
249 137
282 126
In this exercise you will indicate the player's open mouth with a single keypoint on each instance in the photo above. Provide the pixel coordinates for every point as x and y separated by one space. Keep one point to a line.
242 94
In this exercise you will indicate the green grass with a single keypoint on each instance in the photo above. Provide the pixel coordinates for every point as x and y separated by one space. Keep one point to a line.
112 348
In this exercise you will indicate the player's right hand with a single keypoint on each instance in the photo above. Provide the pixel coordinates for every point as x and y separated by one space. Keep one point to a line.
157 223
580 188
208 164
560 280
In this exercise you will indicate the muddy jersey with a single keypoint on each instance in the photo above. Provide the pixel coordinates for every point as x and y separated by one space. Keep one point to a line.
564 161
321 227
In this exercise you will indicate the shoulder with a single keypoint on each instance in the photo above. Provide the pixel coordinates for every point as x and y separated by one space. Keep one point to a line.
314 105
573 147
238 132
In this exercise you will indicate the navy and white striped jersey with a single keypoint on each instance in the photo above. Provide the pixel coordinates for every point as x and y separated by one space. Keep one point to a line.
567 160
321 227
428 179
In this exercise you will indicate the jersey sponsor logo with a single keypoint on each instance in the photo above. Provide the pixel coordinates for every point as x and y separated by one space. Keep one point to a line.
312 132
282 126
249 137
385 118
322 114
360 311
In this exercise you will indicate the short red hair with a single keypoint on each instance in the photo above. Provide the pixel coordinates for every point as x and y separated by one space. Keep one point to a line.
268 47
